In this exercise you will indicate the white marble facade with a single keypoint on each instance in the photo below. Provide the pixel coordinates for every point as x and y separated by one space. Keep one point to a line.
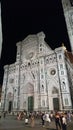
38 80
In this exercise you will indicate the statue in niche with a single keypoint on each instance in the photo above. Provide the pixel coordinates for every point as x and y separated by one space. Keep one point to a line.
42 87
23 77
63 85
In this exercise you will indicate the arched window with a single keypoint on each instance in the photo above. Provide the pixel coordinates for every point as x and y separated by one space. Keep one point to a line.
10 96
43 103
42 87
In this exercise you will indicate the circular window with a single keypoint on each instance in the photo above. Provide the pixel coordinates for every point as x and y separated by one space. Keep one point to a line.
53 72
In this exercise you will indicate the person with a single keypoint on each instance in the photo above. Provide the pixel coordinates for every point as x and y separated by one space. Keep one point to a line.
32 120
43 119
26 120
51 116
69 116
64 122
57 121
19 116
47 118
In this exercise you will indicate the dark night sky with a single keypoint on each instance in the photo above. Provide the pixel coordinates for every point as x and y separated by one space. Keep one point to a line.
22 17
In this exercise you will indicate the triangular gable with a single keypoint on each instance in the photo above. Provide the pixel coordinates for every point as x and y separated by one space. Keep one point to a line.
31 46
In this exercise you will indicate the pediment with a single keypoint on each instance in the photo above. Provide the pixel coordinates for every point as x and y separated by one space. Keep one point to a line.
32 46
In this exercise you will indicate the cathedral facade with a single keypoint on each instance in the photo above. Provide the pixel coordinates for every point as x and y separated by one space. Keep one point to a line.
38 80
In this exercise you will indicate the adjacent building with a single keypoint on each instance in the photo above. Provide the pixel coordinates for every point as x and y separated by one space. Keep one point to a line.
40 79
0 32
68 13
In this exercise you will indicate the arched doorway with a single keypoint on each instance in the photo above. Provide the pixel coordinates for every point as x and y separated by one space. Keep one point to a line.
30 103
56 103
10 106
10 101
30 91
55 98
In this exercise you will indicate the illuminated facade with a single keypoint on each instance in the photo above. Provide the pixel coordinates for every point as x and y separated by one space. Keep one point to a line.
38 80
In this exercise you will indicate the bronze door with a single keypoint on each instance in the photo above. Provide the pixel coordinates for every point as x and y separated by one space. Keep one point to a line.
56 103
30 103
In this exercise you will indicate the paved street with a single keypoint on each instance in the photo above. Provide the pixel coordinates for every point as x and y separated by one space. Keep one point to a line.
11 123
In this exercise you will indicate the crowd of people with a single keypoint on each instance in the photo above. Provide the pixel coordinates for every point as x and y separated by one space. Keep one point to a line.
61 119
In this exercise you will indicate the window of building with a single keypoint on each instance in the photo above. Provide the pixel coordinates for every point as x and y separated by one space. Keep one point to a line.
61 66
54 57
62 72
43 103
14 90
32 63
42 87
50 58
60 56
47 60
42 76
63 85
25 65
66 101
40 49
53 71
11 80
40 45
41 70
28 63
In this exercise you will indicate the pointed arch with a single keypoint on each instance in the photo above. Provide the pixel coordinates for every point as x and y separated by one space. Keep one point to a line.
30 87
10 96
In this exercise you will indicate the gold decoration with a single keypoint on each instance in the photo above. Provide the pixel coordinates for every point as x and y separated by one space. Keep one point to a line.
64 47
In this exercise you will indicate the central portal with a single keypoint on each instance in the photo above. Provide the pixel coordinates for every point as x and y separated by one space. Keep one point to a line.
30 103
10 106
56 103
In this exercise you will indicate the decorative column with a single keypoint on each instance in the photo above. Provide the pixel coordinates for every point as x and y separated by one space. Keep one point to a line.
18 59
4 88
